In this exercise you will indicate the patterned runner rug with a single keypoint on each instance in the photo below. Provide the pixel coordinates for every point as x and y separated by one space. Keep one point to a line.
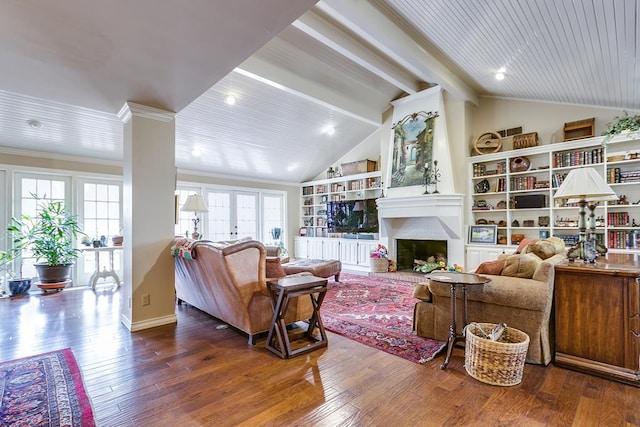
377 312
44 390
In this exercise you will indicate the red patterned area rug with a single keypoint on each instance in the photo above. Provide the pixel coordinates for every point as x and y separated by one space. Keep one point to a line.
44 390
377 312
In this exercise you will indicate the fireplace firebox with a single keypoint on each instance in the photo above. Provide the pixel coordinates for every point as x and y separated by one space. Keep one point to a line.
409 250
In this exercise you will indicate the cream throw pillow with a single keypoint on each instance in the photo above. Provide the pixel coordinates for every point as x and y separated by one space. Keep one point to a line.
521 265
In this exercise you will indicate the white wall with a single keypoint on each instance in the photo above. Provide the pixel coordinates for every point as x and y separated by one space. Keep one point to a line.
546 118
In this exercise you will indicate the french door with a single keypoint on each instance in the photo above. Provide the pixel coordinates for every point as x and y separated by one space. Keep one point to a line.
232 214
47 188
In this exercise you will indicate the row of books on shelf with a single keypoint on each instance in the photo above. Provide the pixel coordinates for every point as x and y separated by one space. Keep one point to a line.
616 176
624 239
480 169
557 178
527 183
618 219
578 157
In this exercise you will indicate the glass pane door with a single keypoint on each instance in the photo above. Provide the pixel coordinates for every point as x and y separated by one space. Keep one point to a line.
232 215
246 215
219 215
46 188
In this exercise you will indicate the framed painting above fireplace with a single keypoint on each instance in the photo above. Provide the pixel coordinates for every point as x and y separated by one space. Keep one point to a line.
483 234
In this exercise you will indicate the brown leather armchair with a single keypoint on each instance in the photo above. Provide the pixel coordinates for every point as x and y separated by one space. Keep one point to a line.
228 282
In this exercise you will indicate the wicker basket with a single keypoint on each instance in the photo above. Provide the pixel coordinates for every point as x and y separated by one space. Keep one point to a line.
379 265
498 362
525 140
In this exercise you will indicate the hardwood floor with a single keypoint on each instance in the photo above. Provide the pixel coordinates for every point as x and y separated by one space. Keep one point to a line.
198 372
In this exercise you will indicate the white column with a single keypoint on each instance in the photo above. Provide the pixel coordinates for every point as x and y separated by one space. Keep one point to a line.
148 210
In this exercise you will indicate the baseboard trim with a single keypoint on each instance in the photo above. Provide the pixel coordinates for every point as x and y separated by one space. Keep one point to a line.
149 323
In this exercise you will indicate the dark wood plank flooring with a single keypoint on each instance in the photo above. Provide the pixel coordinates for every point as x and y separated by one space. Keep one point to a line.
200 373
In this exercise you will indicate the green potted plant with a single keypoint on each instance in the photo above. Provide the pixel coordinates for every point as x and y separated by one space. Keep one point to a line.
626 123
49 236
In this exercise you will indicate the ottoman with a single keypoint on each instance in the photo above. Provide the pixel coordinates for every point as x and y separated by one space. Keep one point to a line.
318 267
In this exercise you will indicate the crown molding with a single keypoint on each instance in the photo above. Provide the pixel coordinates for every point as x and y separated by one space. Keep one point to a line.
130 109
56 156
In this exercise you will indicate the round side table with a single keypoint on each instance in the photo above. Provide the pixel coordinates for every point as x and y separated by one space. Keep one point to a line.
461 281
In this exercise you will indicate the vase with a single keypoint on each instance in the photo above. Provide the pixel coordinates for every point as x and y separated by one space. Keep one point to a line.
519 164
19 286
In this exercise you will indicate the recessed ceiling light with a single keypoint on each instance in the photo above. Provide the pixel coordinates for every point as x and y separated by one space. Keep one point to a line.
500 73
329 130
34 124
196 152
230 99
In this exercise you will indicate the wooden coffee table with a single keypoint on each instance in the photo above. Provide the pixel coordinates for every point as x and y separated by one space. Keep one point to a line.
282 290
461 280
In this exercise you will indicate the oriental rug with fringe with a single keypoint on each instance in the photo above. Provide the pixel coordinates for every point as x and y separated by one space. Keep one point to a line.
44 390
377 312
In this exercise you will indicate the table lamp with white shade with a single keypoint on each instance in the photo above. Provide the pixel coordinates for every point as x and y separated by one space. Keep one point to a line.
195 203
584 185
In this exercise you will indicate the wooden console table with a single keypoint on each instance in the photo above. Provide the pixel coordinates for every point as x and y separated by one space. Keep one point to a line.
597 317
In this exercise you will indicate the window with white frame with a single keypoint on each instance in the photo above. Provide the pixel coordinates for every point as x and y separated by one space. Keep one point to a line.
235 214
184 224
273 218
101 217
45 188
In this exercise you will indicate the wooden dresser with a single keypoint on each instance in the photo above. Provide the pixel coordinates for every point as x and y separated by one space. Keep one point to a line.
597 317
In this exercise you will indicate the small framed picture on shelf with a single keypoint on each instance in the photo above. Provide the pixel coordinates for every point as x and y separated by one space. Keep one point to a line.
483 234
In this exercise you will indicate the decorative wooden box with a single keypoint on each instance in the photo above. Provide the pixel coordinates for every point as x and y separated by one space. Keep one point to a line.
579 129
525 140
361 166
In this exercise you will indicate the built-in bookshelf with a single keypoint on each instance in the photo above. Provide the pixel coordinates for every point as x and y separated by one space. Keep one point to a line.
521 204
316 194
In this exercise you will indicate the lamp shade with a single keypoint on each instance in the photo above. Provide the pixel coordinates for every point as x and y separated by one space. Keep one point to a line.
194 203
585 184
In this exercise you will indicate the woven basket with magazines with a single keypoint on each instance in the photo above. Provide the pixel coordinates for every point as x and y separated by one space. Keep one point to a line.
496 362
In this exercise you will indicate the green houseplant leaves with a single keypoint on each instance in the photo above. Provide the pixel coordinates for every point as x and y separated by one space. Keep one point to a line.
49 236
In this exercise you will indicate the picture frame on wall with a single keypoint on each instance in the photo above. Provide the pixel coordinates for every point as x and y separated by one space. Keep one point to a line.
483 234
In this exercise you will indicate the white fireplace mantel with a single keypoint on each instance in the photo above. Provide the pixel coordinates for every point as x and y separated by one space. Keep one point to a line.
428 216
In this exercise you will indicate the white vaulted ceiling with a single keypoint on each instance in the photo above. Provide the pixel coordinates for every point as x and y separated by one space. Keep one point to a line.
72 65
571 51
